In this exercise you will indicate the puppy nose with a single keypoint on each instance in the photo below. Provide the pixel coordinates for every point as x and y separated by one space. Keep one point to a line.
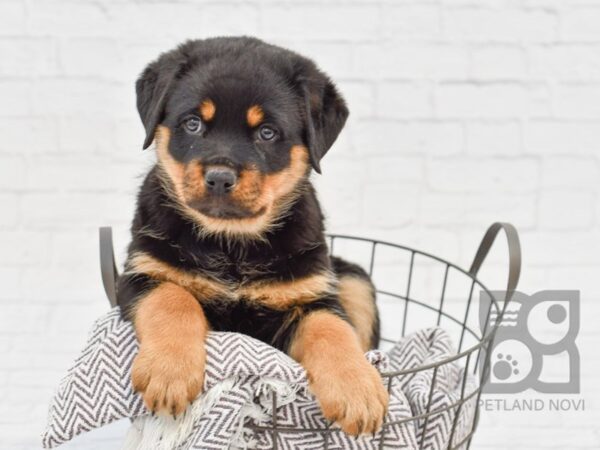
220 180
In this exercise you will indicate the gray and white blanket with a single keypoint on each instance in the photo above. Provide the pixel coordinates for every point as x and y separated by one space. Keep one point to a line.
235 411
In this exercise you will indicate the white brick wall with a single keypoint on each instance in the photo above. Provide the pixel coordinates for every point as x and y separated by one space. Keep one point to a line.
463 112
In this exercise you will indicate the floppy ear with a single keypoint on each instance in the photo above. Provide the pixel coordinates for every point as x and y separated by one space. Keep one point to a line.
326 113
152 90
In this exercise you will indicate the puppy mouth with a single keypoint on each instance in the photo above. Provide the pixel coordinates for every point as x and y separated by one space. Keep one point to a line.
222 209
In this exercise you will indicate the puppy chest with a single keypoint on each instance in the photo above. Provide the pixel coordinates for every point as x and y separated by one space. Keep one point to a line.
269 293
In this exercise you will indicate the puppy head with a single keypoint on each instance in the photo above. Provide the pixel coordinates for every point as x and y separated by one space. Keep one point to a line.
238 124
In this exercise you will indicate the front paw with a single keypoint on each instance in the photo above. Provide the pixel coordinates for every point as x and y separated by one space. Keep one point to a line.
354 397
169 380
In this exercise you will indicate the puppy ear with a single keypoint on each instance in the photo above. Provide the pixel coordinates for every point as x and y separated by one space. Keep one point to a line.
152 90
326 113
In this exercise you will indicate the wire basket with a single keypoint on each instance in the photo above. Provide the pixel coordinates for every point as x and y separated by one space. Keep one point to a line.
450 307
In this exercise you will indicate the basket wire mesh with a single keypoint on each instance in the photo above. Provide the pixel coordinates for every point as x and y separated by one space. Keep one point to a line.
470 358
469 355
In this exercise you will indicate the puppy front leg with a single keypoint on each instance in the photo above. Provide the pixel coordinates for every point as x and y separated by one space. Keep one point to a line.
171 328
348 389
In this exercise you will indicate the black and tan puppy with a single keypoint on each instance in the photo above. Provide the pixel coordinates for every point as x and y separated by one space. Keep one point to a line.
228 233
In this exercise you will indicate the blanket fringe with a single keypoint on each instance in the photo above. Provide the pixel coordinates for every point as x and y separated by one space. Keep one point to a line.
165 433
260 411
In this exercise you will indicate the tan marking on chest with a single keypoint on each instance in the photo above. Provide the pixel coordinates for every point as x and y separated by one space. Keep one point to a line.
201 287
280 295
286 294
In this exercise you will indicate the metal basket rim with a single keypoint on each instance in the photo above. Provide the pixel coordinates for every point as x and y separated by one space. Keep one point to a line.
110 274
487 336
482 340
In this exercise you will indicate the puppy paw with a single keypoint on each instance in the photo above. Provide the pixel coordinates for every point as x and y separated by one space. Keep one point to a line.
169 380
354 397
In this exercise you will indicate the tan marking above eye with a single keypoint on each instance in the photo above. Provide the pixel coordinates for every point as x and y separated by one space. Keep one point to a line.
207 110
254 116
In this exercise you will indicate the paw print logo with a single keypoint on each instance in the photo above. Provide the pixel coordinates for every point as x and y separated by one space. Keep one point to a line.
505 367
536 332
511 363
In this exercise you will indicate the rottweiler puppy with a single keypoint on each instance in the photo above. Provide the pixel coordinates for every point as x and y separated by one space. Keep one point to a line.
228 233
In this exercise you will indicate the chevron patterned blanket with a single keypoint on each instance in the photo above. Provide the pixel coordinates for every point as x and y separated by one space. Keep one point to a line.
242 376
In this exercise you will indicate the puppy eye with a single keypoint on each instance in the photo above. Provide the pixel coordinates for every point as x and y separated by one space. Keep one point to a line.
267 133
193 125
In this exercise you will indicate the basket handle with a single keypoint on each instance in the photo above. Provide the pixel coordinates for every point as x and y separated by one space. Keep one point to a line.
514 255
108 266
